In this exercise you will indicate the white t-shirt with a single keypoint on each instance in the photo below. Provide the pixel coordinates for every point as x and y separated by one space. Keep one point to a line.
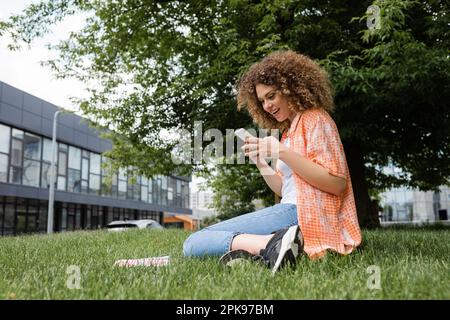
288 192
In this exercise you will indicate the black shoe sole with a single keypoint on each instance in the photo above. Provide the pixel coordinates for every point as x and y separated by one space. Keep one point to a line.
234 257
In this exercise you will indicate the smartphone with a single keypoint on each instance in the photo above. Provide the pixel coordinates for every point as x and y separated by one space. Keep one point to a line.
242 134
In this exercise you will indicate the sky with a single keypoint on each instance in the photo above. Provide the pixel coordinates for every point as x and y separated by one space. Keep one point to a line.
22 69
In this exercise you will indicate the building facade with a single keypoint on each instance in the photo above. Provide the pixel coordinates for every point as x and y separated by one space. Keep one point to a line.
201 200
408 205
413 205
84 196
201 203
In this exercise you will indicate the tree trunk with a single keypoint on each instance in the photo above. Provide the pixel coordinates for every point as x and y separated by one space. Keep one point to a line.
367 216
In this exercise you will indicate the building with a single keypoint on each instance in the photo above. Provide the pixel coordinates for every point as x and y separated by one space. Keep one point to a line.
408 205
413 205
83 199
201 202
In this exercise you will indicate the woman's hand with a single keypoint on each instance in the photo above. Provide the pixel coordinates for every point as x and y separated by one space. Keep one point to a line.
257 149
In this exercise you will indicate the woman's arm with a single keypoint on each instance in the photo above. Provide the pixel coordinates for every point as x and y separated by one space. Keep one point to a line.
272 179
311 172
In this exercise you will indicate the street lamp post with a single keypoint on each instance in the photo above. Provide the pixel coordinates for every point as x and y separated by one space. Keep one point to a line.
51 195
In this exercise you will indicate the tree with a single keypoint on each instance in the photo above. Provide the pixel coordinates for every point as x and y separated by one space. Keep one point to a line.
161 65
396 92
232 196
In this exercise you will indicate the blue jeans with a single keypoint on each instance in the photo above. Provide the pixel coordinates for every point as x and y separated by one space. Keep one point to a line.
216 240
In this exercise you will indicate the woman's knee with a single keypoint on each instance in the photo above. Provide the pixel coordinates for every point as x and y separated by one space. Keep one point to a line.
190 244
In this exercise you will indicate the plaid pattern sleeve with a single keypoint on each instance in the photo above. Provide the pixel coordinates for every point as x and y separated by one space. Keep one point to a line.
325 148
327 221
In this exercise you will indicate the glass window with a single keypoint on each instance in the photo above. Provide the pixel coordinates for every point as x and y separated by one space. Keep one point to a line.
144 181
129 190
164 182
15 175
74 158
32 222
62 146
71 222
185 189
43 212
4 138
45 177
122 189
150 197
170 194
32 146
94 217
178 186
114 185
9 219
85 153
95 163
21 223
164 197
84 186
94 184
155 193
16 157
63 219
62 170
17 133
122 174
114 179
77 217
3 168
74 182
144 194
31 170
136 192
105 166
85 169
88 217
47 150
409 196
61 185
105 189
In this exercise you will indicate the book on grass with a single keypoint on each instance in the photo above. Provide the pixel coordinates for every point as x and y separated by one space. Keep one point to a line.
145 262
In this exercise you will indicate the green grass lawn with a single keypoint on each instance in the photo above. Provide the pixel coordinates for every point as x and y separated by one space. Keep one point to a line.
413 264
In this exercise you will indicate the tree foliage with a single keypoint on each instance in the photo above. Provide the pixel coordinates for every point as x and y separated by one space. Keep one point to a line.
232 196
396 92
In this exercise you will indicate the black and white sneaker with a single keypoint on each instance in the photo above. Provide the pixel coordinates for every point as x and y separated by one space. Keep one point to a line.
238 257
283 248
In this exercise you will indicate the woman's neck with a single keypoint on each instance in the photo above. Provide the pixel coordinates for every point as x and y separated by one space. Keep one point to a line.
293 118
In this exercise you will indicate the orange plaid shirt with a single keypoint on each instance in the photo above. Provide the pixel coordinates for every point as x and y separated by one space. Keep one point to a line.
327 221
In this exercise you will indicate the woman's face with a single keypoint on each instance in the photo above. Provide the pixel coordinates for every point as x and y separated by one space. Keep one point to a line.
274 102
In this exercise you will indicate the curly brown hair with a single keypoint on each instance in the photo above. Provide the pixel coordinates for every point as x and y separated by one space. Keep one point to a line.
301 80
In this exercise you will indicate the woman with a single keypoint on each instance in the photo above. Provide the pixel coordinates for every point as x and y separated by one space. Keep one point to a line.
290 92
